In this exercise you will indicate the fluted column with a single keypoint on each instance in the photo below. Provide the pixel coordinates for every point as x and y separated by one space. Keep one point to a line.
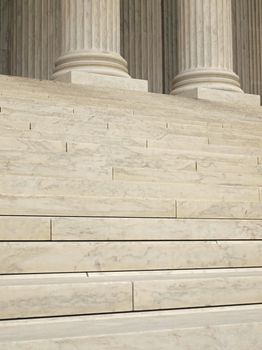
247 35
34 37
141 40
91 38
205 57
4 36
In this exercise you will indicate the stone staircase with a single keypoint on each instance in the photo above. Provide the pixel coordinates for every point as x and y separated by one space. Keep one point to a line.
128 220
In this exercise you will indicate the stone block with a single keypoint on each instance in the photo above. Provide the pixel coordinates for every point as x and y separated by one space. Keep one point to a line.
198 290
191 329
84 78
24 228
128 229
219 209
60 296
222 96
56 257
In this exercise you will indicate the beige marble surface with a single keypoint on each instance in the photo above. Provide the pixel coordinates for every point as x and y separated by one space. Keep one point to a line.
213 209
86 206
30 257
91 79
17 185
180 329
59 296
96 229
24 228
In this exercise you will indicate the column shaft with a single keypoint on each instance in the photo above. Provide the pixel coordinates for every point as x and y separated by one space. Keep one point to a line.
34 38
141 40
91 38
5 20
247 34
205 49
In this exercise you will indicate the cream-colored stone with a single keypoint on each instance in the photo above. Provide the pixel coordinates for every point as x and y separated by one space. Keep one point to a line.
198 177
226 210
17 185
165 154
205 48
91 38
24 228
59 296
37 257
31 145
86 206
100 229
206 167
95 157
184 291
204 328
211 94
114 82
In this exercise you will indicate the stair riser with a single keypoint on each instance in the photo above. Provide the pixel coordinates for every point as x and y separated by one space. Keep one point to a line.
232 337
64 299
40 257
169 176
91 296
45 186
15 228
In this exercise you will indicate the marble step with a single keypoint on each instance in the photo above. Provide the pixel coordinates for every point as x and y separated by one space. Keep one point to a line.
164 153
85 165
219 210
58 257
36 205
74 169
116 151
152 127
18 185
212 328
108 134
207 166
175 104
24 296
27 296
88 161
31 145
148 229
169 142
44 205
235 140
198 177
60 89
17 228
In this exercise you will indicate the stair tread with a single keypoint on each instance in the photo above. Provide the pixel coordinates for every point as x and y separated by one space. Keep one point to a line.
92 326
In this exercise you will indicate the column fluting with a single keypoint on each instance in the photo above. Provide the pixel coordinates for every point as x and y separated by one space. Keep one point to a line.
35 40
205 49
91 38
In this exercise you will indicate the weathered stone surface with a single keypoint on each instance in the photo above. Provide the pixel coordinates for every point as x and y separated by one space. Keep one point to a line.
179 329
24 228
58 296
125 229
30 257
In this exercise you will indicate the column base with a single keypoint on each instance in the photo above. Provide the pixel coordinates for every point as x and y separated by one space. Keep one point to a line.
99 80
221 96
